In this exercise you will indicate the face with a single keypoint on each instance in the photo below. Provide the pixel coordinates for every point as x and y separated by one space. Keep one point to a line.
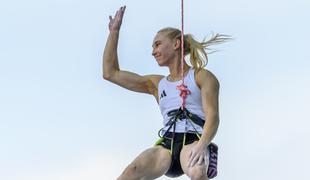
164 49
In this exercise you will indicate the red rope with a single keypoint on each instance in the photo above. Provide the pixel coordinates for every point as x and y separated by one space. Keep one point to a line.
182 40
182 87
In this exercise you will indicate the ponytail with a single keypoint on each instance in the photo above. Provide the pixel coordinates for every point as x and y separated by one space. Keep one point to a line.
198 51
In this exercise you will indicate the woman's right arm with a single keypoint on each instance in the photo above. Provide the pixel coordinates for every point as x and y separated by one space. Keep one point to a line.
111 70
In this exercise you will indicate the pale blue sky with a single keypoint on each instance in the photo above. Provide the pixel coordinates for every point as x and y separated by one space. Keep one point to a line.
59 120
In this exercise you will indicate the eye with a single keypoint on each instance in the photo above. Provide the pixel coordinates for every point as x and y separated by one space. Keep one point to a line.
157 44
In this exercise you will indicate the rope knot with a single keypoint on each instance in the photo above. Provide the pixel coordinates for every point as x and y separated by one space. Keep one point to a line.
183 93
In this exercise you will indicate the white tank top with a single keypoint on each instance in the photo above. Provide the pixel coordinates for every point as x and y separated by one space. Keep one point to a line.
169 99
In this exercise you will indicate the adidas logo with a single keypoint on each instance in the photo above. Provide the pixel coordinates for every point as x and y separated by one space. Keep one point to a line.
163 94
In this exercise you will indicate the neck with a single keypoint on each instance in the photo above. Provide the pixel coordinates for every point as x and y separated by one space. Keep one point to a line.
176 71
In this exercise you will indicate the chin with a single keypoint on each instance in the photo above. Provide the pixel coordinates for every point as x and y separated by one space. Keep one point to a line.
160 64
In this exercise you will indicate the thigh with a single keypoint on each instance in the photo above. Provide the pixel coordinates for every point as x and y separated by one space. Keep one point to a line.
197 168
151 163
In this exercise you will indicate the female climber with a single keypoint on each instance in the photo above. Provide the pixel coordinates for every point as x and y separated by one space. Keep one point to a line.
185 145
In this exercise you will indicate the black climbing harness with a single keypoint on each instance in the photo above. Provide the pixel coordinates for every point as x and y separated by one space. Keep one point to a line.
179 114
183 114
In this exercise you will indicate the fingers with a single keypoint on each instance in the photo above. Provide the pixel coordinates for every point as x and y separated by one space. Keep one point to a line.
194 161
122 11
206 160
116 13
190 159
123 8
197 158
200 160
119 13
116 21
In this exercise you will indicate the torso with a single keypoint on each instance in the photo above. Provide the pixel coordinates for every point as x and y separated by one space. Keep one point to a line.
169 99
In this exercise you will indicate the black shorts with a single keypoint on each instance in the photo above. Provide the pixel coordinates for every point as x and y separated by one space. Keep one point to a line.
175 169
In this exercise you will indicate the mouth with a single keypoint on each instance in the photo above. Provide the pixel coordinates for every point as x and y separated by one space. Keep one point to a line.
156 57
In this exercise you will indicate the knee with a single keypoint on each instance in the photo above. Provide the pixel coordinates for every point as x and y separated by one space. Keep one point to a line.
198 174
132 170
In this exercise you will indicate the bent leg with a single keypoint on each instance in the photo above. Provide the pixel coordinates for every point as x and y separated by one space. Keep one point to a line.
198 171
150 164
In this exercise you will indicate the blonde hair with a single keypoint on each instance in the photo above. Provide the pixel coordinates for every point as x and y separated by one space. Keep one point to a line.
197 50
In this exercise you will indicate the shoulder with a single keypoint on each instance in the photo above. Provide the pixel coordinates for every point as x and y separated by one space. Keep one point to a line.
205 77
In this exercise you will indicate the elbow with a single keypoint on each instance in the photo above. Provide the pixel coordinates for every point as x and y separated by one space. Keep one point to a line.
106 76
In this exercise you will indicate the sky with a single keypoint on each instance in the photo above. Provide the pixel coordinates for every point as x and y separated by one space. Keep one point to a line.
60 120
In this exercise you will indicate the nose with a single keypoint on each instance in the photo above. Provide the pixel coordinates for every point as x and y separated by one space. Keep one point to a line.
153 52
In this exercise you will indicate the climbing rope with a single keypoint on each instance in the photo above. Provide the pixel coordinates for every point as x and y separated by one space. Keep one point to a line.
182 87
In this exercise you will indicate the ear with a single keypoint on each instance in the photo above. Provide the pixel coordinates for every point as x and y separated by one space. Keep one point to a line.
177 44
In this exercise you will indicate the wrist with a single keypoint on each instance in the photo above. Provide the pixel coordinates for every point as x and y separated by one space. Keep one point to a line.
204 140
114 31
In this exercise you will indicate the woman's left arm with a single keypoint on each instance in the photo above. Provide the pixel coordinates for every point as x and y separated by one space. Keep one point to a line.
209 88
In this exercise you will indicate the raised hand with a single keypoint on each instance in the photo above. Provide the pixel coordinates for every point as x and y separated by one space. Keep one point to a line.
116 22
